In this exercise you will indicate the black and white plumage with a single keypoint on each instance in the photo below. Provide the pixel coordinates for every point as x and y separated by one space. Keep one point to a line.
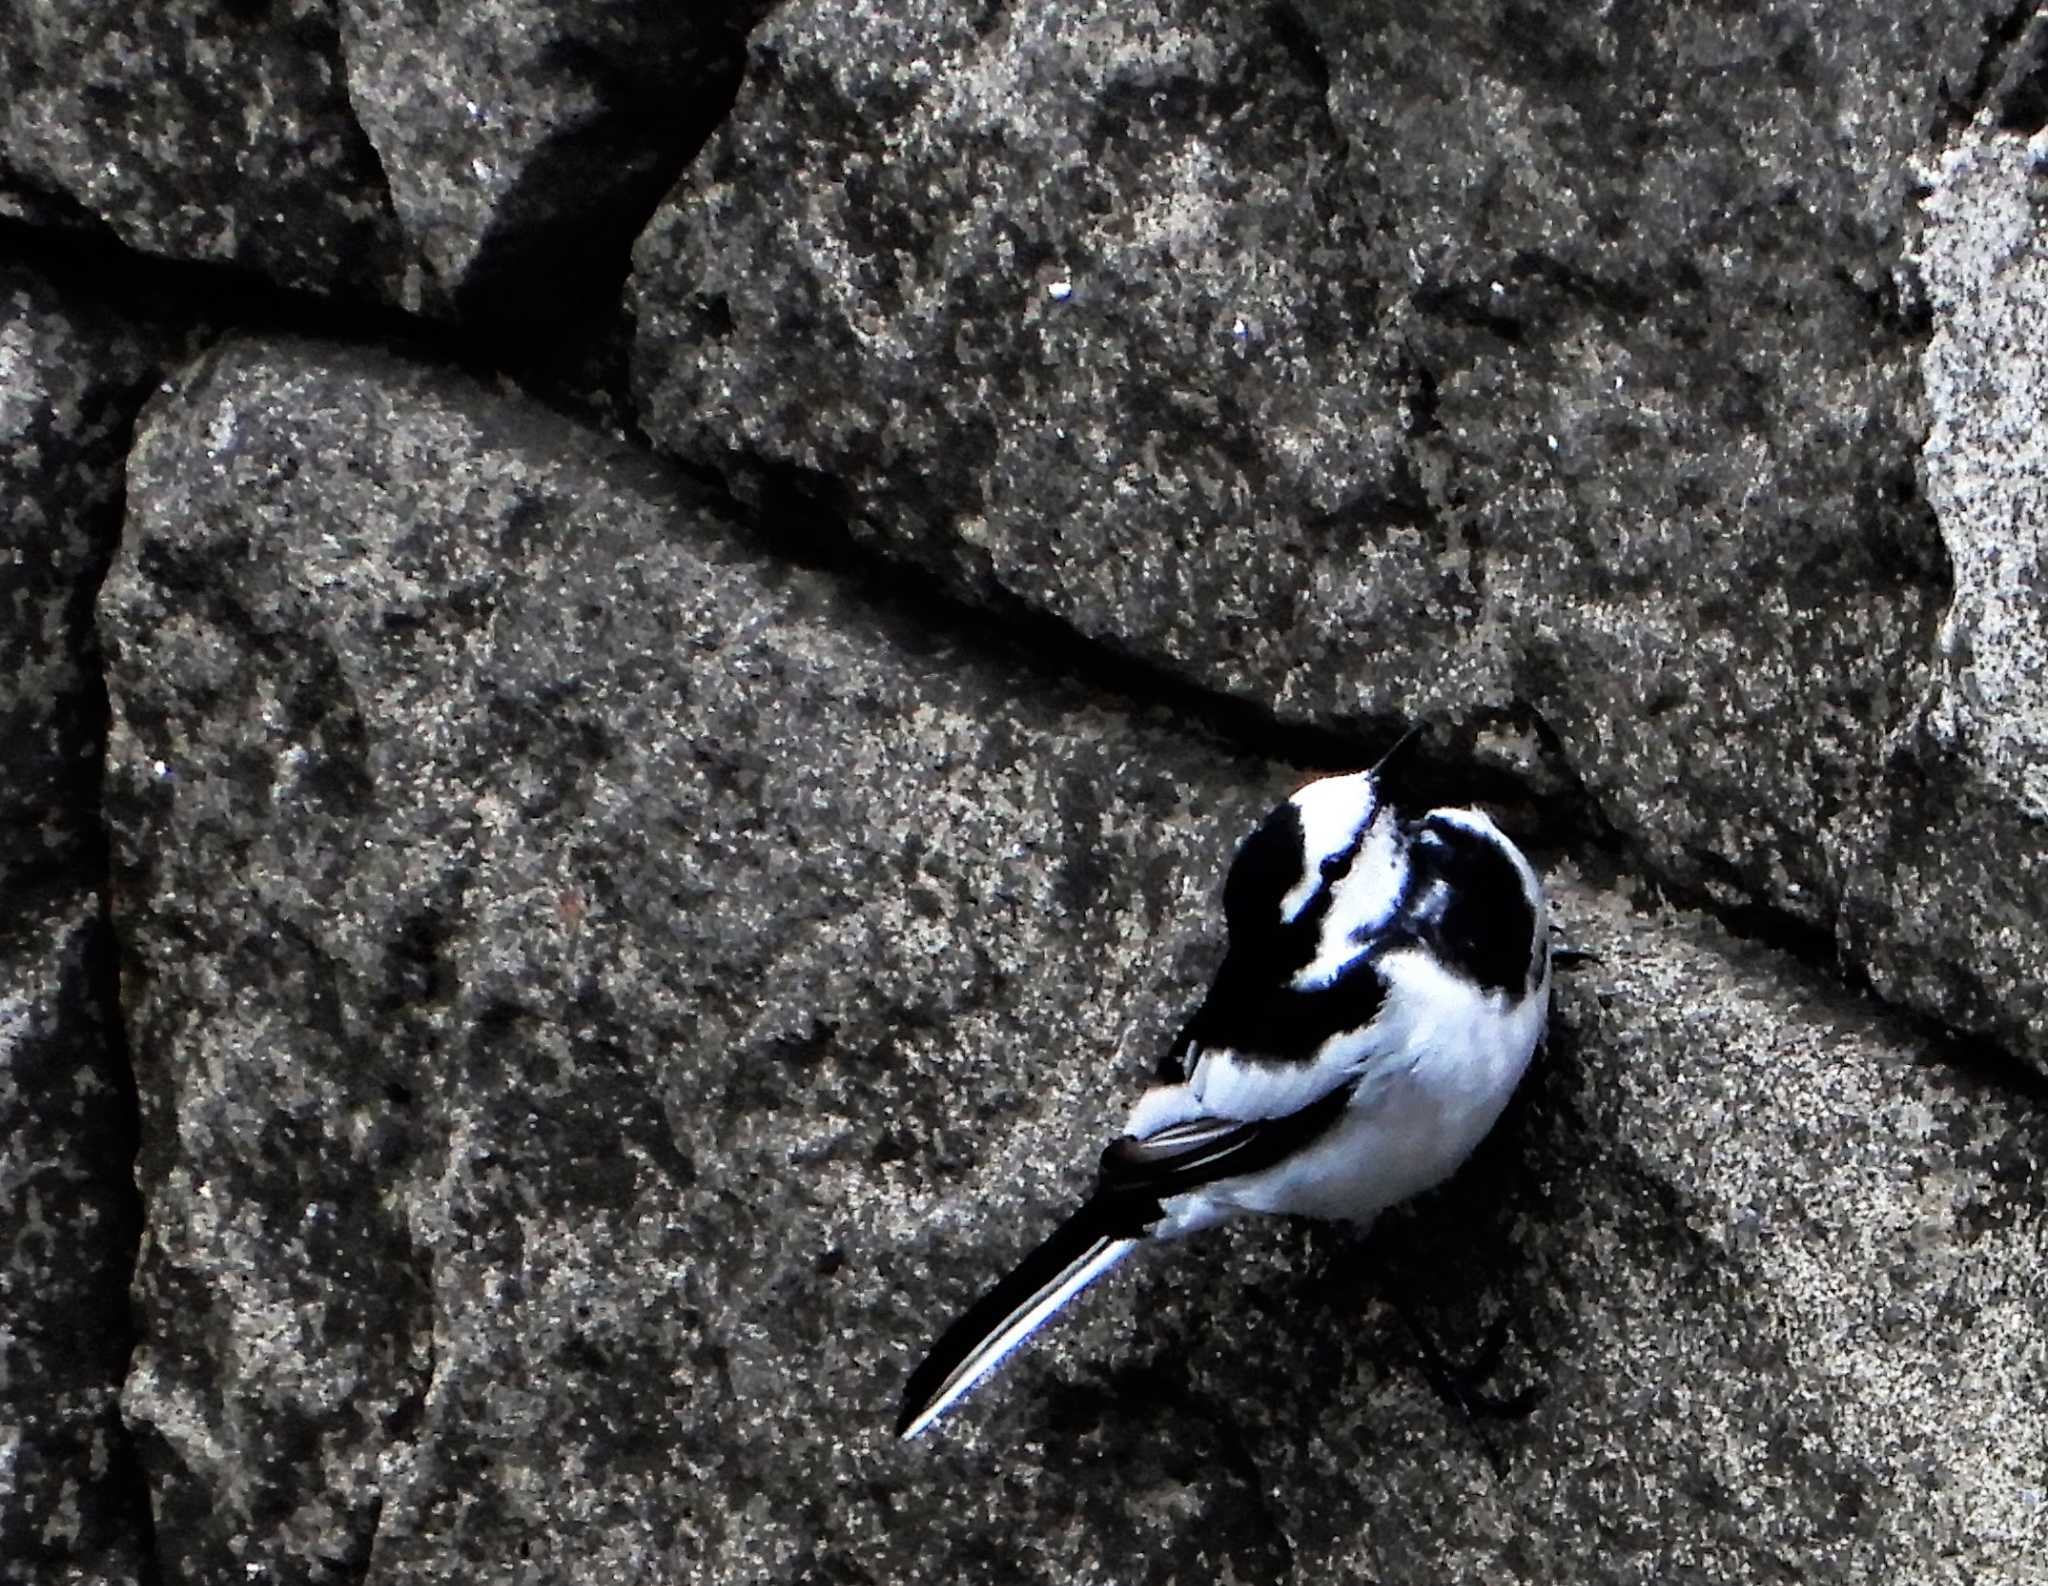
1384 984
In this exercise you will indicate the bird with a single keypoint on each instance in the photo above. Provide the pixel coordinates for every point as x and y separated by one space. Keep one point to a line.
1384 984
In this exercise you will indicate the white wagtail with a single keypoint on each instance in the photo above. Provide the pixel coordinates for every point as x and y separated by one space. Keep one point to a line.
1384 983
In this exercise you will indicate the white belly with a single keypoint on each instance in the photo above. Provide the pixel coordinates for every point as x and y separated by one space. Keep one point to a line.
1443 1060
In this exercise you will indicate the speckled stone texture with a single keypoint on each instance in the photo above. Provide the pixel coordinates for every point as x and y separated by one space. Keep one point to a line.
660 801
71 1508
571 1100
1551 372
1951 917
525 141
71 375
537 1058
200 131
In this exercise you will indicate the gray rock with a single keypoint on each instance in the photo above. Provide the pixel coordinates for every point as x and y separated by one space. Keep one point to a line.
71 378
198 131
72 1506
1550 378
1804 1259
603 997
525 141
610 969
543 944
1055 301
1946 881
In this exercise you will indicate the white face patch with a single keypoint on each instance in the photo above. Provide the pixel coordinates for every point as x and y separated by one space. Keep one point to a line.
1362 900
1332 811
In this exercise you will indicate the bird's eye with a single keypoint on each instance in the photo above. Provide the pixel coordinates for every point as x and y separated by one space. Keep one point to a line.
1335 866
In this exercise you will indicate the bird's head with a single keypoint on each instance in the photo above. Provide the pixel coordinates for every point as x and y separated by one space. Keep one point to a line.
1332 849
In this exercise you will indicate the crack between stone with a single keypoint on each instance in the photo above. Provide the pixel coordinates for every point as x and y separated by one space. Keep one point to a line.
793 519
1992 77
128 1475
1271 1515
133 1479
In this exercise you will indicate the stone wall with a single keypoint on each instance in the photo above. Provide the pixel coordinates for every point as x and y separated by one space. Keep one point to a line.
635 639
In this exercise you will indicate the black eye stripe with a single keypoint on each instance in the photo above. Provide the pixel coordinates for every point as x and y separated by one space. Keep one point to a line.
1337 866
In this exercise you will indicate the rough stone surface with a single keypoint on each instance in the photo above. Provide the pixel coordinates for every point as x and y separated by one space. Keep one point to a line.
526 140
1551 373
1826 1264
619 947
548 1026
1051 297
1946 911
602 998
71 378
200 131
71 1506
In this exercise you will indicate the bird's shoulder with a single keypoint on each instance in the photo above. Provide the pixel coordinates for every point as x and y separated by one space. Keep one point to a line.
1475 903
1260 1045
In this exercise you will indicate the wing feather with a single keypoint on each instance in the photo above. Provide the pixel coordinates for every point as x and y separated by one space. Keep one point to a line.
1185 1156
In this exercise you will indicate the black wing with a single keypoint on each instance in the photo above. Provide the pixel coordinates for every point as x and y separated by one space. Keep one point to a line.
1136 1175
1189 1155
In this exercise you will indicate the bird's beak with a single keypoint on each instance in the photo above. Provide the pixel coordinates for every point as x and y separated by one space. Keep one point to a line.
1390 762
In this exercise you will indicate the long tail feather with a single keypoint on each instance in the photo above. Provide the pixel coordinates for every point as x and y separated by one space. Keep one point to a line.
1080 1250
